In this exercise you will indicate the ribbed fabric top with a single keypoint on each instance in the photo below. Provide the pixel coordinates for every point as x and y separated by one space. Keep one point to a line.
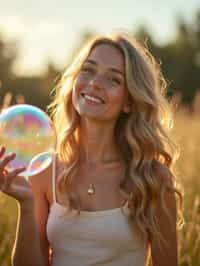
93 238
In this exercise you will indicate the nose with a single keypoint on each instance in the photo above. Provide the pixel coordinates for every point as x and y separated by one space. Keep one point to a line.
97 81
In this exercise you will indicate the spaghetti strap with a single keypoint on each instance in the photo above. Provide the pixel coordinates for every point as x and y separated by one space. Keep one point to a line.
54 176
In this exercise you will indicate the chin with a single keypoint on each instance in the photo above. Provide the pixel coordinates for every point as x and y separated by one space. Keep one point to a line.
92 116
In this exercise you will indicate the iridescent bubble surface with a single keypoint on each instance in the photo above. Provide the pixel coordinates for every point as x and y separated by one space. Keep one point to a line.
29 132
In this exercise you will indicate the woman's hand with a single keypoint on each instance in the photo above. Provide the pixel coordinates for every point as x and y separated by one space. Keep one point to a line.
11 183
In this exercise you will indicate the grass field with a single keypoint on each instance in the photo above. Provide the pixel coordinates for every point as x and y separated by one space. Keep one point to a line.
187 133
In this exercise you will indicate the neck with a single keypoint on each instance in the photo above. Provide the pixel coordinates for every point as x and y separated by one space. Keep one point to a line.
97 144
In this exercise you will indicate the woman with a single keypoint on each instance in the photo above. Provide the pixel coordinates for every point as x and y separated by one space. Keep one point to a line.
109 196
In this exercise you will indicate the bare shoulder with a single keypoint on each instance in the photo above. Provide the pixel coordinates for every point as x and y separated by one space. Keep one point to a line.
41 179
42 182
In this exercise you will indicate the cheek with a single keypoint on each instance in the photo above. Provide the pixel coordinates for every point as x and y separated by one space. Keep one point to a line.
115 102
117 96
76 87
79 83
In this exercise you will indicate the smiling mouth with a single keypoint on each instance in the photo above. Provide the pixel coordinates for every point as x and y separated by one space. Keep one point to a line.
91 99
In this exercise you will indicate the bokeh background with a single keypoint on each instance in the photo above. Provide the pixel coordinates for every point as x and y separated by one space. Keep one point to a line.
38 40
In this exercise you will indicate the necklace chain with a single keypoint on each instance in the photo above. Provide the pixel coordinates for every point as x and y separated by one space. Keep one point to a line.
91 191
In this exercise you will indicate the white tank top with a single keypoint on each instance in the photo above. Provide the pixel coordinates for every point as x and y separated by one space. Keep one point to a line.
103 237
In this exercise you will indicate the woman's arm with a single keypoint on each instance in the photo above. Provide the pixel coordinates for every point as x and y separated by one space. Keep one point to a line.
168 253
26 250
39 185
31 247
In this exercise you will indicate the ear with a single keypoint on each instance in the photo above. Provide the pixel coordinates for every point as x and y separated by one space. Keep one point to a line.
126 109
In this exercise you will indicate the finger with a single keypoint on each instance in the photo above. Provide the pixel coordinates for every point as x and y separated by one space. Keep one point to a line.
5 172
18 170
6 160
16 191
11 176
13 190
2 151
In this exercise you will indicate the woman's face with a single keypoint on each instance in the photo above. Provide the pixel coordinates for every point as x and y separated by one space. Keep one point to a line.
102 76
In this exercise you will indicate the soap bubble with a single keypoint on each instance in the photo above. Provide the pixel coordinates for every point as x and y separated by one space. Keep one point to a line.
29 132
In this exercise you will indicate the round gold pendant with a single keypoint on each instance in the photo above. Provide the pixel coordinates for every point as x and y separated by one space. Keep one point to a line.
91 190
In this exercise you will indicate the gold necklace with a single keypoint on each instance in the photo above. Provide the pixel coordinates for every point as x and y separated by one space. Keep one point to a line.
91 190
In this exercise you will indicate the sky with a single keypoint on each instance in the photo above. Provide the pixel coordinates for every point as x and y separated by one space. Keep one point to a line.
48 30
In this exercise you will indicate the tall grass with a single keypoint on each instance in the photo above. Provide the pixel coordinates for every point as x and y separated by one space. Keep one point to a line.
187 133
8 219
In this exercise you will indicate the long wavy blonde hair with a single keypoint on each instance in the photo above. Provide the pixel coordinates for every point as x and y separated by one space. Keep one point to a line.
142 135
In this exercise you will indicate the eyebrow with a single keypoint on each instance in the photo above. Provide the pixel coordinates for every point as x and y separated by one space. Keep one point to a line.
111 68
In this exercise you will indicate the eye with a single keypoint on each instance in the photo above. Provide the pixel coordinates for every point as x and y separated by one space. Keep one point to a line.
114 80
87 70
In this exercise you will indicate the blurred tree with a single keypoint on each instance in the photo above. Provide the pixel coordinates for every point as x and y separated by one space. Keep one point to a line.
8 55
163 54
179 59
185 47
50 78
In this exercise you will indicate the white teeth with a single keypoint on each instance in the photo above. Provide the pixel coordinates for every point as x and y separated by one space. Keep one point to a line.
92 98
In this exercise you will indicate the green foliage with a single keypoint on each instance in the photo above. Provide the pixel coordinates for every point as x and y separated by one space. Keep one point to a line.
180 58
